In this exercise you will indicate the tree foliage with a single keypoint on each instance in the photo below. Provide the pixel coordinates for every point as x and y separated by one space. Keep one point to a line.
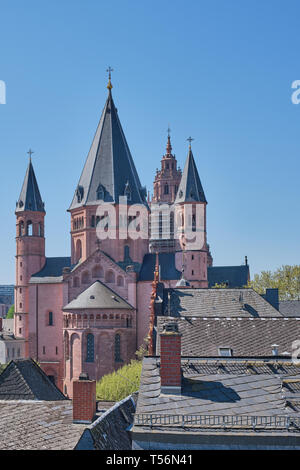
120 383
11 311
286 279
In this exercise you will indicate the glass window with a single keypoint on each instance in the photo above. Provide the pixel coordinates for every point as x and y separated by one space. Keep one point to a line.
90 348
118 348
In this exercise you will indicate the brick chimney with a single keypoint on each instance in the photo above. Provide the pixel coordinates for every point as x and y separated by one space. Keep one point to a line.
84 399
170 359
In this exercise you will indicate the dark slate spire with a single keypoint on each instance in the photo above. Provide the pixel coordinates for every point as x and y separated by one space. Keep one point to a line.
190 187
109 171
30 197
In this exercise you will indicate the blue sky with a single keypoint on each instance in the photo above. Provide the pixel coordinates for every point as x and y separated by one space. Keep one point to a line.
218 71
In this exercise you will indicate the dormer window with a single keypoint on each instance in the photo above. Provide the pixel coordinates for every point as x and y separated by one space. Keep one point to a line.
127 191
79 193
100 192
226 352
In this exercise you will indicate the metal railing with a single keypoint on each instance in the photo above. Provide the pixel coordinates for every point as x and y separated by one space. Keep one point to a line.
220 421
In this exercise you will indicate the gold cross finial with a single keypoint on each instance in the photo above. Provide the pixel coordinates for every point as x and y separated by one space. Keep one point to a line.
109 70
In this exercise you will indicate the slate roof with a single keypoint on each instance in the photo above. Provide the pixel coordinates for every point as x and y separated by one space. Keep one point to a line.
30 197
38 425
167 265
190 187
245 336
210 392
233 276
290 308
109 165
217 303
23 379
98 295
110 430
52 270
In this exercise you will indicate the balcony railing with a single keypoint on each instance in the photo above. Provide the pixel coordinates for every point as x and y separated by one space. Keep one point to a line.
287 423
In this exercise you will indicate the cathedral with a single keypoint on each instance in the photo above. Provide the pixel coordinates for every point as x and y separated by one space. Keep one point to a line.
90 312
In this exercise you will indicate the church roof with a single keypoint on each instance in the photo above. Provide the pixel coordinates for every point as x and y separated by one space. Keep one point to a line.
98 295
190 187
52 270
109 171
232 276
167 267
30 197
23 379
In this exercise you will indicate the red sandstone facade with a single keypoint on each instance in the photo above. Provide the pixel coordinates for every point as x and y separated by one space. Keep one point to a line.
67 341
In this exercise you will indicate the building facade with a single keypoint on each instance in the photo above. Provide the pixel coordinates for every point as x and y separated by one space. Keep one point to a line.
90 312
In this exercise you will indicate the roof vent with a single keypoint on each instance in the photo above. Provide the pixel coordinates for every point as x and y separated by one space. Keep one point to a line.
275 350
171 327
92 297
83 376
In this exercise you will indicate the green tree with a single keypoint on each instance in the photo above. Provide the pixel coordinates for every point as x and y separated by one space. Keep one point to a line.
120 383
286 279
11 311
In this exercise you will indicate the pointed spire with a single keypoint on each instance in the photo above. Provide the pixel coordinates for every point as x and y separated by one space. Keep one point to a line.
109 168
190 187
30 197
169 146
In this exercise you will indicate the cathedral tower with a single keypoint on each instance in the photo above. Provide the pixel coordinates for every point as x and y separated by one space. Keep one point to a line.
165 188
108 177
30 248
190 212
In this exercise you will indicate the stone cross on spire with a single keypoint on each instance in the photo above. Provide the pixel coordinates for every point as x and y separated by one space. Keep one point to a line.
109 70
30 152
190 139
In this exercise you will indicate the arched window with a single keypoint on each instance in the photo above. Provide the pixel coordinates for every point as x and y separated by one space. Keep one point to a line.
93 221
100 192
78 250
29 230
90 346
76 282
79 193
120 281
40 230
85 278
166 189
21 228
118 348
97 272
110 277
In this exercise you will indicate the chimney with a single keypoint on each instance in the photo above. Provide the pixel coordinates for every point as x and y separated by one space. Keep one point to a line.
170 359
275 350
84 399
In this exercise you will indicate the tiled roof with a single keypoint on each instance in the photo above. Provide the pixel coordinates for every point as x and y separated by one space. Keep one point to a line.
52 270
38 425
217 303
30 198
110 431
232 276
109 168
167 265
244 336
190 188
98 295
252 392
23 379
290 308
